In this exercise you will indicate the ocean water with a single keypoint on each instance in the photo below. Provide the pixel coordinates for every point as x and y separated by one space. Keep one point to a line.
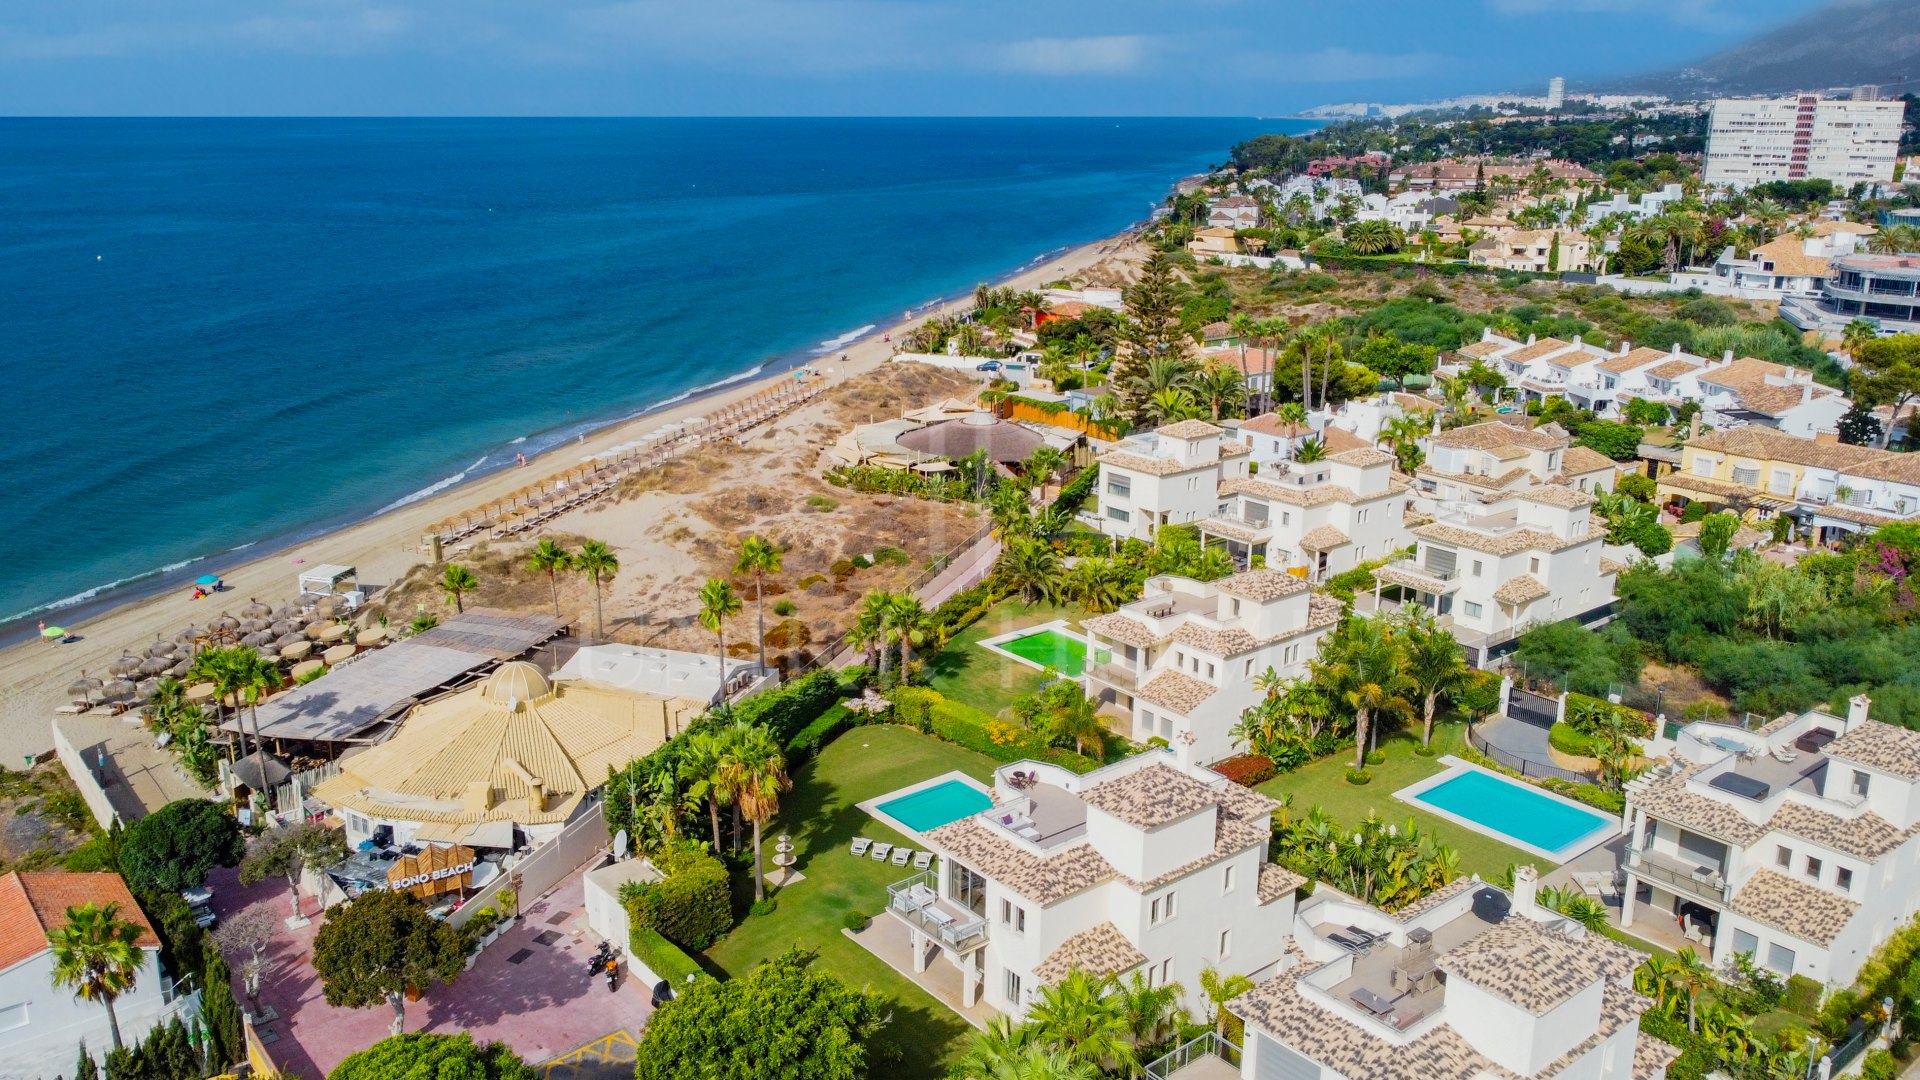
217 334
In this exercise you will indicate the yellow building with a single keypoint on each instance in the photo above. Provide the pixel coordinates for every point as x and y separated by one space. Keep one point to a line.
1759 471
1213 241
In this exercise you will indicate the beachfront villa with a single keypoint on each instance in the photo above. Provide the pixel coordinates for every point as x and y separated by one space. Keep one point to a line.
1497 458
1318 519
1796 843
1170 476
1180 663
1146 865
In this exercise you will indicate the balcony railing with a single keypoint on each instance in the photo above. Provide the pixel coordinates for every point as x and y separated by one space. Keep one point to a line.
1441 578
1212 1044
916 901
1653 866
1115 675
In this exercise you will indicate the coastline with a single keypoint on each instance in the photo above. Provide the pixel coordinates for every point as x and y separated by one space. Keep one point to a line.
385 544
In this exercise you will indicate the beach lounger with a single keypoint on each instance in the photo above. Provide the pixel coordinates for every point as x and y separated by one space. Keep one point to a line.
922 860
881 851
860 845
901 855
1352 945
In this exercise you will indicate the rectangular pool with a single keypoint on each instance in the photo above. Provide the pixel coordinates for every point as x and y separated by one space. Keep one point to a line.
931 807
1048 648
1508 810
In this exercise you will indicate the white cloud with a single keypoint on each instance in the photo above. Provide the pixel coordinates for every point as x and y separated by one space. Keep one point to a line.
1715 14
1113 54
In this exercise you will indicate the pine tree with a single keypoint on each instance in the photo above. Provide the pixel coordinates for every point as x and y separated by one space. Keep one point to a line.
123 1064
221 1014
86 1069
1553 252
1154 330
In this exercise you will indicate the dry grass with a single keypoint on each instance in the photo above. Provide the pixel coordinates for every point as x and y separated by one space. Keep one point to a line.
893 388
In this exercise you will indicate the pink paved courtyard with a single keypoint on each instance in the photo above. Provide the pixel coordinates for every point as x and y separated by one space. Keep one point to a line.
543 1006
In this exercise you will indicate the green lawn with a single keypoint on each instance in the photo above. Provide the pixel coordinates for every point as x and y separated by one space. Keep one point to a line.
822 815
971 675
1324 783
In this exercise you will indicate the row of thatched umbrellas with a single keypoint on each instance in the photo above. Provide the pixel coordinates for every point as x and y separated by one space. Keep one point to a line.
288 633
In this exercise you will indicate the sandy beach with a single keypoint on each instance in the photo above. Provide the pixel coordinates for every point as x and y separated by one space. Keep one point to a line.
34 675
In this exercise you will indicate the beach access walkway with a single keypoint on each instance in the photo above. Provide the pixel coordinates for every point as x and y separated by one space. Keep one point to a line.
137 776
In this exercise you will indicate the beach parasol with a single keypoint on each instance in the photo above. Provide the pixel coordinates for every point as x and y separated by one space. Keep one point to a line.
190 635
284 626
296 650
154 665
257 639
287 641
162 648
307 667
54 632
334 633
256 610
145 688
82 689
117 688
336 654
207 579
180 670
331 605
372 635
126 665
225 624
200 692
253 626
285 611
314 628
308 599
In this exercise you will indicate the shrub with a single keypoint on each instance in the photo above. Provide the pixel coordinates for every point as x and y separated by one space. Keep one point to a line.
861 562
1588 715
788 634
783 608
1425 750
1564 738
854 921
1879 1065
1803 997
829 726
842 568
788 710
691 907
1246 769
96 854
1357 777
822 503
174 847
665 959
811 580
891 556
1376 757
761 907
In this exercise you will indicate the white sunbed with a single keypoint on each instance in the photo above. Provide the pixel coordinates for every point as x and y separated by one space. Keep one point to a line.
901 855
881 851
860 846
922 860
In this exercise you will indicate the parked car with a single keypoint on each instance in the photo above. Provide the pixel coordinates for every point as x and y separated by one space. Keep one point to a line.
200 903
991 365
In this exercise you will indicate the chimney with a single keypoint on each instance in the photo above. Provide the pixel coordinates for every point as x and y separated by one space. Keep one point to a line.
1626 347
1727 357
1806 392
479 797
1526 887
1676 348
1857 707
1486 333
1693 426
1576 340
1530 339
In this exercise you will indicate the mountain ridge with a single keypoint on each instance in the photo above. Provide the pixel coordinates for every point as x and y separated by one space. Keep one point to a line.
1844 43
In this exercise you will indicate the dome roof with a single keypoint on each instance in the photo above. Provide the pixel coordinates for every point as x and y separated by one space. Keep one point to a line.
1003 440
515 683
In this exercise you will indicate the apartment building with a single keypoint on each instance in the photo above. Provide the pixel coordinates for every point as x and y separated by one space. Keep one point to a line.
1490 568
1808 137
1538 368
1797 843
1495 459
1182 660
1828 487
1170 476
1752 391
1145 865
1272 442
1788 265
1318 518
1470 982
1882 289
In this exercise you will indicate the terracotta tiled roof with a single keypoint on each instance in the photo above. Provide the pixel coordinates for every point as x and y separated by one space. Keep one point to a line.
1789 256
1536 967
1638 358
1414 402
1520 590
1508 543
1232 530
1271 424
34 905
1363 458
1313 495
1152 466
1489 434
1651 1056
1805 911
1747 379
1122 628
1767 444
1881 746
1828 228
1556 495
1234 448
1673 369
1610 566
1324 538
1480 350
1277 881
1867 836
1172 690
1041 880
1581 460
1151 796
1340 440
1189 429
1668 799
1262 584
1539 350
1103 950
1231 641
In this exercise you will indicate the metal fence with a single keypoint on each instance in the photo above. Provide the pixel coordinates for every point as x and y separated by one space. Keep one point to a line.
1211 1044
1523 766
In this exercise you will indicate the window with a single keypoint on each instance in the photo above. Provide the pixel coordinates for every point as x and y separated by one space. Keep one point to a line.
1746 477
1118 514
1744 942
1362 517
1780 958
1210 673
1286 517
358 824
1476 568
1861 781
1248 671
1533 565
1233 606
1013 988
1783 857
1226 940
1119 485
1161 910
13 1016
1813 868
1472 609
1014 916
1843 877
1702 467
1226 880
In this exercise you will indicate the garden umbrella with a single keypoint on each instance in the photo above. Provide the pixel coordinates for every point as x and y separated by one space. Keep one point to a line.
254 626
162 648
179 670
285 611
283 626
256 610
83 688
126 665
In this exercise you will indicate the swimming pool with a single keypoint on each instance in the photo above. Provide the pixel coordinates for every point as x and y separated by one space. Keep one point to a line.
1049 646
931 807
1536 821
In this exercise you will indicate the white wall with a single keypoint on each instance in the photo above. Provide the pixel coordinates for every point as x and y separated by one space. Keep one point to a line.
41 1027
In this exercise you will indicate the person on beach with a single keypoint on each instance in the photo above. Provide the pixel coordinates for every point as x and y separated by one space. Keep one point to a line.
522 459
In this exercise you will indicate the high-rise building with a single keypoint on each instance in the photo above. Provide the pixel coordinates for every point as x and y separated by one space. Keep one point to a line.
1758 140
1556 92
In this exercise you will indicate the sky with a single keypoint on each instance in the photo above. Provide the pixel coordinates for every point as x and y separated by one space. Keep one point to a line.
827 57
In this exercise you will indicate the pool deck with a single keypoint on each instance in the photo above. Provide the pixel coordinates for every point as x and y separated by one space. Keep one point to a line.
1609 828
872 806
1059 626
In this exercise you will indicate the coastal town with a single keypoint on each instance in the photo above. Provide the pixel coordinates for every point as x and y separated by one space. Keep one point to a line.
1435 600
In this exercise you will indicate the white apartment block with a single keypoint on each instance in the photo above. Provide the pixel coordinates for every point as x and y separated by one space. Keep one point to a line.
1495 459
1758 140
1829 486
1182 660
1538 368
1318 518
1170 476
1470 982
1797 843
1490 568
1751 391
1145 865
1649 205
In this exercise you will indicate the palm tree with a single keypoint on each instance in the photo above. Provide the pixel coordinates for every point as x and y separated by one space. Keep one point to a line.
1293 412
1857 333
549 558
98 955
759 557
700 771
1310 450
1172 405
1080 1017
1161 373
909 620
1011 511
1032 567
596 560
993 1051
756 775
456 582
1374 237
1243 327
873 628
256 676
1434 664
1041 466
1221 388
1221 988
1693 975
223 668
718 603
1097 583
1150 1011
1364 669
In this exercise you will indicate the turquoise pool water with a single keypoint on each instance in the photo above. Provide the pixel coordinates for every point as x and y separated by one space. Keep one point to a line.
1513 809
930 808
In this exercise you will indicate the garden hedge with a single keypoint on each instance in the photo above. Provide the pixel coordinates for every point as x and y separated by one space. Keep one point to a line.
663 957
791 708
693 905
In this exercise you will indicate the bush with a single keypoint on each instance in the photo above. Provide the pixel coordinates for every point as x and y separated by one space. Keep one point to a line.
691 907
761 907
854 921
788 710
1588 715
1425 750
964 725
664 958
1564 738
1246 769
1803 997
421 1054
822 503
1376 757
842 568
861 562
1879 1065
174 847
829 726
96 854
1358 777
784 608
891 556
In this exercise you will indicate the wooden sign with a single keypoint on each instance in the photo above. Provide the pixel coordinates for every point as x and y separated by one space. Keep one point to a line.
438 869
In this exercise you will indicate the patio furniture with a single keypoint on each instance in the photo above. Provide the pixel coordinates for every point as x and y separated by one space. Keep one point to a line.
1782 755
922 860
1372 1002
1353 945
1029 833
901 855
937 917
919 896
881 851
860 845
1591 882
1359 934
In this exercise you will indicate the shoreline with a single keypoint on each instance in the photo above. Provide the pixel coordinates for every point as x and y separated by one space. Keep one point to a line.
384 544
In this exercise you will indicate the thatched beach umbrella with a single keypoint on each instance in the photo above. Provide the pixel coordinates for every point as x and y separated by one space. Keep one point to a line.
372 635
308 599
330 605
285 611
257 639
126 665
253 626
287 641
82 689
334 633
154 665
225 624
256 610
162 648
145 689
179 670
296 650
117 689
190 635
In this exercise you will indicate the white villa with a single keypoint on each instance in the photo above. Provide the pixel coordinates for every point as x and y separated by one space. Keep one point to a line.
1787 265
1170 476
1322 517
1795 843
1145 865
1183 658
1494 458
1470 982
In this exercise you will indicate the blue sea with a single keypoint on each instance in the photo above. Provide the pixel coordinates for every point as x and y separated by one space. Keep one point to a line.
221 335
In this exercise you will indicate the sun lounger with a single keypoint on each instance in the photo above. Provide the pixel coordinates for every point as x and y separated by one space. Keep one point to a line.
901 855
1353 945
881 851
860 845
922 860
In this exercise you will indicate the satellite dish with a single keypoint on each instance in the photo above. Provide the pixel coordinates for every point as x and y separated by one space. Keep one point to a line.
620 846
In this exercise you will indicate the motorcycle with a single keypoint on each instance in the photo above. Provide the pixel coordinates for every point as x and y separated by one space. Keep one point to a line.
613 973
600 960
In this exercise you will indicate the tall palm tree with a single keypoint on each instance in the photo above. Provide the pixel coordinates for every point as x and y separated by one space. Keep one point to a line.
909 620
223 667
1365 669
1857 333
718 603
596 560
1032 567
1310 450
1221 387
256 677
1172 405
759 557
549 558
756 775
98 955
700 772
1693 975
456 582
1434 664
1080 1017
